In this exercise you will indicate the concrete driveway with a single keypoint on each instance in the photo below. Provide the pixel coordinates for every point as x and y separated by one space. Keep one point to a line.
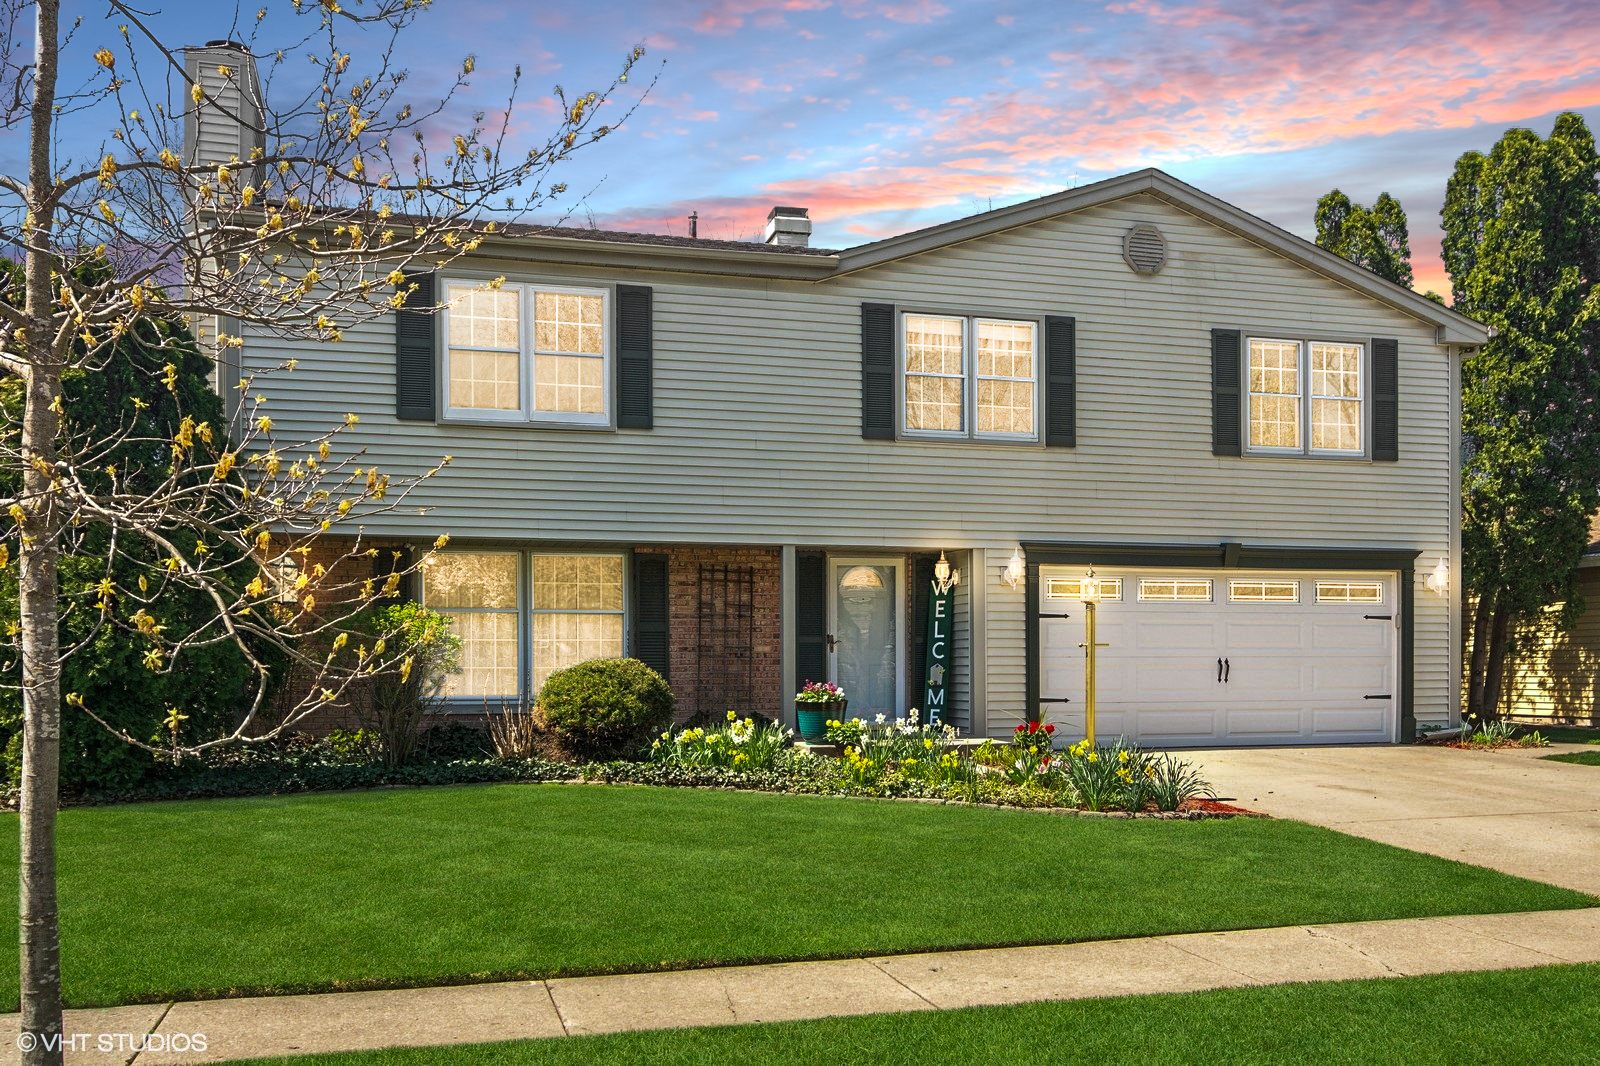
1508 810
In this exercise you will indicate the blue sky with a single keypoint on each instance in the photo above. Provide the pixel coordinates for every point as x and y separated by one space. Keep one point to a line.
886 115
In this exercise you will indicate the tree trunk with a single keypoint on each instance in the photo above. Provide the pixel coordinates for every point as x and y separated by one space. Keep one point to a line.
1499 647
1479 663
38 587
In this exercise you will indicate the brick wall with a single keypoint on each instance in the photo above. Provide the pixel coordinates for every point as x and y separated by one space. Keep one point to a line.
701 678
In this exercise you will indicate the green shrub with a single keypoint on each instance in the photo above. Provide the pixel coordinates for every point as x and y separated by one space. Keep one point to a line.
398 700
605 708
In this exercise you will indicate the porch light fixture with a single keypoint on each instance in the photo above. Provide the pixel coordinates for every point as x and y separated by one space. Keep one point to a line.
944 577
1439 580
1015 570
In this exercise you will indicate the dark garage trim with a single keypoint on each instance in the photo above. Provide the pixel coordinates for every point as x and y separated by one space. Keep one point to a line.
1402 561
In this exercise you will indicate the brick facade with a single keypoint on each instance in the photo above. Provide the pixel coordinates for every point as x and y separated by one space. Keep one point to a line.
725 628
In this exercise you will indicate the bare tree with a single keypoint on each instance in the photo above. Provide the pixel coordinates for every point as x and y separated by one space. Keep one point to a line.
225 197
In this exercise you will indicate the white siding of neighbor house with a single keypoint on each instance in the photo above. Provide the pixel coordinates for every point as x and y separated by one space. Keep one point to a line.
757 424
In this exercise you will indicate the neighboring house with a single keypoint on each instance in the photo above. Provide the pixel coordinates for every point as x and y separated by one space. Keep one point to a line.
1553 676
739 463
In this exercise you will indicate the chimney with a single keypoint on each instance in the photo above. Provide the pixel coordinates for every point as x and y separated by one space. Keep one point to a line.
226 125
789 226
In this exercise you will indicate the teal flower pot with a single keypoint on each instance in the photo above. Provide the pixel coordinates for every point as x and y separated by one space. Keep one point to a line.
813 719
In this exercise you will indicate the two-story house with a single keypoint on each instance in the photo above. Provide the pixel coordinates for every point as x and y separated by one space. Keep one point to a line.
740 462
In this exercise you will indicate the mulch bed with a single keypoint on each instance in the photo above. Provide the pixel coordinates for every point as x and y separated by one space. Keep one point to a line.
1210 806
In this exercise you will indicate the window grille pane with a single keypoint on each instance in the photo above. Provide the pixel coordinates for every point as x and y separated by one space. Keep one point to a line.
933 403
1005 350
488 653
1349 592
1005 388
485 380
1071 588
1336 397
574 384
1193 589
1005 407
1264 591
933 346
568 322
577 583
561 640
484 318
1274 394
462 579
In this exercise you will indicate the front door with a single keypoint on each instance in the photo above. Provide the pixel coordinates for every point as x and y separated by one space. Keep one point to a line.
864 650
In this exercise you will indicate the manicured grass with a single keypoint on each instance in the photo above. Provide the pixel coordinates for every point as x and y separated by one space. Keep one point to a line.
1562 734
429 886
1584 758
1549 1016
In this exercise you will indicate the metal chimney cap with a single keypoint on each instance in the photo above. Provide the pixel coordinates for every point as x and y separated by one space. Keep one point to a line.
235 45
789 212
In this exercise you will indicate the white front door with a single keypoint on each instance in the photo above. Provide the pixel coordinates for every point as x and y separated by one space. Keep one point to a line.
1234 657
865 607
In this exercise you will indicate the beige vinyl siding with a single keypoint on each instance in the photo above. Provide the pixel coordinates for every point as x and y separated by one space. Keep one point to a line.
757 416
1554 675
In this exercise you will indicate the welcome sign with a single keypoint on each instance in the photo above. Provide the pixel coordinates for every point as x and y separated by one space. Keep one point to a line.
941 615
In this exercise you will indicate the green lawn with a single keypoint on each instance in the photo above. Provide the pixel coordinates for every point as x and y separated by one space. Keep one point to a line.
1548 1016
1561 734
1584 758
425 886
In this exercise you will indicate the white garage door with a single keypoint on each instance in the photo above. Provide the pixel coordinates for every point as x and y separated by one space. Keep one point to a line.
1196 658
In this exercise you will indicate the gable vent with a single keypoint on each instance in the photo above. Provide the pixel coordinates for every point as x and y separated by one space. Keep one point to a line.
1144 249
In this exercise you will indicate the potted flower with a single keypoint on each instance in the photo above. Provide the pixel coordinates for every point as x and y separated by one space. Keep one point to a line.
814 705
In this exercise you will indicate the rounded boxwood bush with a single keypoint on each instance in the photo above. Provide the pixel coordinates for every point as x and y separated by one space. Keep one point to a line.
605 708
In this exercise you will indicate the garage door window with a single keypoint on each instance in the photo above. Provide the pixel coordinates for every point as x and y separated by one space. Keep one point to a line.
1264 591
1349 592
1192 589
1071 588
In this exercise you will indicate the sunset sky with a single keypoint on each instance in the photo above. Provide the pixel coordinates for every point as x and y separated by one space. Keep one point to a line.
883 116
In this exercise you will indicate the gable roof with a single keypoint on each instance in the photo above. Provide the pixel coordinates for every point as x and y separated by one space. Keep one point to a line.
653 251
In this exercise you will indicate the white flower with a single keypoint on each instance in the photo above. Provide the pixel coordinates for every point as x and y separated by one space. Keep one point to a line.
881 719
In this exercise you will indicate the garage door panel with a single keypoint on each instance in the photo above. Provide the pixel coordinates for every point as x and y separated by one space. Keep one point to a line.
1298 670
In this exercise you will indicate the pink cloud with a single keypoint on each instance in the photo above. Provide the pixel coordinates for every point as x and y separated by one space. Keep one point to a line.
726 16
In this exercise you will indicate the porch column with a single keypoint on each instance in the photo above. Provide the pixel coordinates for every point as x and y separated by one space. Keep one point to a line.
786 656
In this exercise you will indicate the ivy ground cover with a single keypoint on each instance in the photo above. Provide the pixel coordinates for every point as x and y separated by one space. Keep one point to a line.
428 886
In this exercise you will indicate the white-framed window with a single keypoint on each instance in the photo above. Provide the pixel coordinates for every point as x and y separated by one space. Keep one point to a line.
1264 591
967 376
1349 591
577 611
479 593
560 608
1190 589
527 352
1306 397
1071 588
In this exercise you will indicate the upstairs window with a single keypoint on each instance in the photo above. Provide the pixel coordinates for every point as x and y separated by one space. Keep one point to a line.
527 353
1306 397
969 377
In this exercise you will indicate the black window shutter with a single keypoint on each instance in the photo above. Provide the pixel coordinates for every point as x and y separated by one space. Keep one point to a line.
635 357
1226 376
650 613
877 371
810 616
1385 399
396 560
1061 381
415 351
921 591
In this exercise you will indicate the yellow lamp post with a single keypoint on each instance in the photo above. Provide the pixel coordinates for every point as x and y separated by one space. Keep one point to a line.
1089 592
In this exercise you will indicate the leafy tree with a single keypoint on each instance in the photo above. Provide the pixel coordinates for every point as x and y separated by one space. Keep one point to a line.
1522 247
1376 239
342 186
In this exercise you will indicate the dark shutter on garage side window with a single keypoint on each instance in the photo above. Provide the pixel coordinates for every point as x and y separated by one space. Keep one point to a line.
1226 378
650 600
396 561
416 350
1061 381
810 617
635 357
921 589
877 371
1385 399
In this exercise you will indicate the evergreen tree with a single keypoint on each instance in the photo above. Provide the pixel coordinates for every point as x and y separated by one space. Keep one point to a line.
1375 239
1522 247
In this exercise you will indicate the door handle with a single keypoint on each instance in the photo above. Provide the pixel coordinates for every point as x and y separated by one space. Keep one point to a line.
1219 671
832 643
1227 669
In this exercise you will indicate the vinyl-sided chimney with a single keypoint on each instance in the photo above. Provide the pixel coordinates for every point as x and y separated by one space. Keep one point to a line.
226 124
789 226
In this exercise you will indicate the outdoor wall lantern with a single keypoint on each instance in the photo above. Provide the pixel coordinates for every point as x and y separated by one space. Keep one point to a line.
1015 570
945 577
1439 580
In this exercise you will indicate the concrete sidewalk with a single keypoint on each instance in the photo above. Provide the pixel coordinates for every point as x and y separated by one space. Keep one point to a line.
288 1025
1509 810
